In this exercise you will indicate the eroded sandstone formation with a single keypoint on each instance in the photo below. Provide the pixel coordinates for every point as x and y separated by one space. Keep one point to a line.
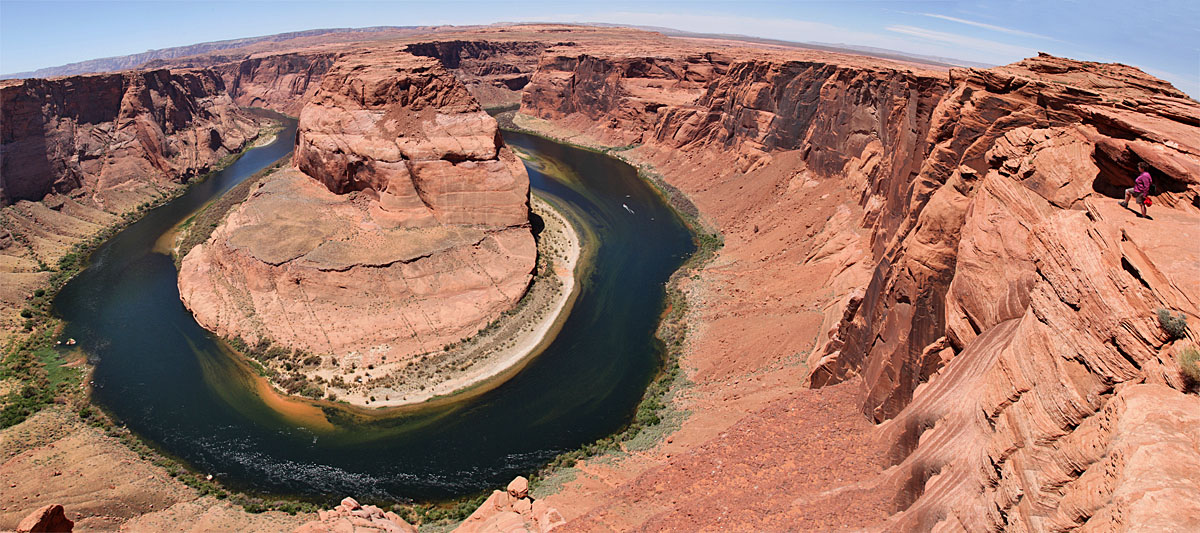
512 510
1009 301
282 82
111 136
404 228
78 152
950 241
351 517
494 72
50 518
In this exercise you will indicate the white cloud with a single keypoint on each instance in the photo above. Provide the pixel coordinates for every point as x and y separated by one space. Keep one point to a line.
993 48
902 38
992 27
775 28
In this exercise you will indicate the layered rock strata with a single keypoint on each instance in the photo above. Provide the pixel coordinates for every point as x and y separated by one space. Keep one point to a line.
281 82
110 136
948 240
1008 301
494 72
77 152
405 226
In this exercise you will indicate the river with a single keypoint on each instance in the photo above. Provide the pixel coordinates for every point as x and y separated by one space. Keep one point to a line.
173 384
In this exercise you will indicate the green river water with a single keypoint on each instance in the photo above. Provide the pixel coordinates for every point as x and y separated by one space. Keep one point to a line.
171 382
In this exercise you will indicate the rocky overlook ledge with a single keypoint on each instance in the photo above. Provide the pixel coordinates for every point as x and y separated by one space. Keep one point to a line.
404 226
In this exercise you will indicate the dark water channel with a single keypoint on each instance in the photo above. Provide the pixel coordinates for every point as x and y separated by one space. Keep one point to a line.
168 380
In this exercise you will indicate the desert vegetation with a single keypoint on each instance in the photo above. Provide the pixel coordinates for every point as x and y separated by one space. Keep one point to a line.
1189 362
1176 325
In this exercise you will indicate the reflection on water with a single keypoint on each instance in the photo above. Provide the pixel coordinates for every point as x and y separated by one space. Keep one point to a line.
170 381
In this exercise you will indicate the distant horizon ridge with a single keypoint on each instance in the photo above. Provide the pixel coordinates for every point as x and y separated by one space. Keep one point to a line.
84 67
135 61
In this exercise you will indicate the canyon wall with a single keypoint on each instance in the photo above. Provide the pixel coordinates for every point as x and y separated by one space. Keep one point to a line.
494 72
282 82
105 134
405 226
1045 294
200 54
78 152
1007 319
1059 128
956 236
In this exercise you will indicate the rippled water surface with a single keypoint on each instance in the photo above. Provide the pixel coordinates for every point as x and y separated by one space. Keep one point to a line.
165 377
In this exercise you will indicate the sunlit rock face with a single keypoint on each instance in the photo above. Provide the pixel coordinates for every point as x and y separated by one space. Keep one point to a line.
116 138
1005 330
403 227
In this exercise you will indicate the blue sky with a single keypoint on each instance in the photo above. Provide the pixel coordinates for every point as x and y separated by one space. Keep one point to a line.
1161 37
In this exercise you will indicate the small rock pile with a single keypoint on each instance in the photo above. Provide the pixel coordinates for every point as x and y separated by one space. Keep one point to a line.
512 511
350 517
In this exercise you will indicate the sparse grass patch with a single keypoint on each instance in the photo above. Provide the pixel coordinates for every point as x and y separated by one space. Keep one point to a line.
553 482
441 516
1189 361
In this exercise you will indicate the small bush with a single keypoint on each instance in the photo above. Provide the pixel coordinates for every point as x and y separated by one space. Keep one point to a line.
25 313
1175 326
1189 361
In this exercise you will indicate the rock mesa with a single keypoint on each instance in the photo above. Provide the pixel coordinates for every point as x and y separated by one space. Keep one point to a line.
404 227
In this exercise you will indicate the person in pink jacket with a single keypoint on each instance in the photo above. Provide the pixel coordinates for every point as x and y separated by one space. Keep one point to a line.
1140 189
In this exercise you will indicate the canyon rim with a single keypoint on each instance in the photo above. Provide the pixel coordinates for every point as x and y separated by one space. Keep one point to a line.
928 312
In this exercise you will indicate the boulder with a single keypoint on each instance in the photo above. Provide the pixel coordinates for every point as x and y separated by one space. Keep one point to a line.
50 518
512 510
351 517
519 487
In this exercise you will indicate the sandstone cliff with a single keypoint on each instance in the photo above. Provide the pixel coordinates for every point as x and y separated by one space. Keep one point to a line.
1045 292
941 251
109 134
77 152
282 82
494 72
405 227
990 294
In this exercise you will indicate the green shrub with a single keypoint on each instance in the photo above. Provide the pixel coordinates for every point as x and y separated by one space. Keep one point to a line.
25 313
1189 361
1175 326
